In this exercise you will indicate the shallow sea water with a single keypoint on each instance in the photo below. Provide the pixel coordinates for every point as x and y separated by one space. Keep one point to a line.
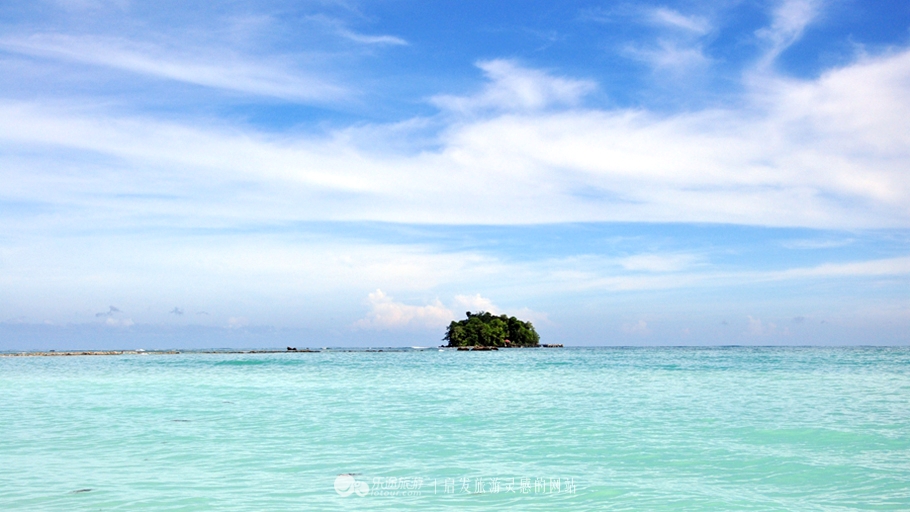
736 428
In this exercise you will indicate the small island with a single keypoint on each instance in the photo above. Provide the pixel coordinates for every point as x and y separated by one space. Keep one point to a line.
484 329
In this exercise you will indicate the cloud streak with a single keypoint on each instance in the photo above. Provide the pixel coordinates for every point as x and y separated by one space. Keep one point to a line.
671 18
212 68
370 39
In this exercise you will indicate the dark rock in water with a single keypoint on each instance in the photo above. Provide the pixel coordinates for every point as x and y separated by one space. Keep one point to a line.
463 349
292 349
484 348
77 491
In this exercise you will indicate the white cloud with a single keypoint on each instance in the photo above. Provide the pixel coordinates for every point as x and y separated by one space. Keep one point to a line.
476 303
512 87
679 48
339 27
667 17
385 313
368 39
789 20
206 67
587 275
670 55
816 243
883 267
537 318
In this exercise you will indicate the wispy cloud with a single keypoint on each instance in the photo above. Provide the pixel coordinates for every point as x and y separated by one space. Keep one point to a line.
789 20
589 277
810 243
512 87
671 18
372 39
673 41
206 67
670 55
339 27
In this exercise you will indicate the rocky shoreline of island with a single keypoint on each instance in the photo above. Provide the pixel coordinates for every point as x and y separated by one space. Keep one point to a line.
485 348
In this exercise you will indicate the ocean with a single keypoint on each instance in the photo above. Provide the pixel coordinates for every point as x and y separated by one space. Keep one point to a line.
729 428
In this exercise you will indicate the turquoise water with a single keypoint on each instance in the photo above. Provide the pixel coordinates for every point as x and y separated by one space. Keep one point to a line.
551 429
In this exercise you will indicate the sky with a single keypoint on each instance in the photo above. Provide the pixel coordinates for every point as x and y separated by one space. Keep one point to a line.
184 174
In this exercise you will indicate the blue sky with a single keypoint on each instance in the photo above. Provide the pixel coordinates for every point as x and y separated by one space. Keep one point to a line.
183 174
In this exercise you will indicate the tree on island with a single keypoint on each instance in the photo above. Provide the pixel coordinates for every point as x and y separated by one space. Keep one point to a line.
487 330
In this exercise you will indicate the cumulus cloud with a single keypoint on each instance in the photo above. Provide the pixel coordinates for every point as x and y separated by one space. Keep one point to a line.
385 313
475 303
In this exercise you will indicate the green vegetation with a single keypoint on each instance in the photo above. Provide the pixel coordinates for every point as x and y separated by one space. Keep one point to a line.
487 330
